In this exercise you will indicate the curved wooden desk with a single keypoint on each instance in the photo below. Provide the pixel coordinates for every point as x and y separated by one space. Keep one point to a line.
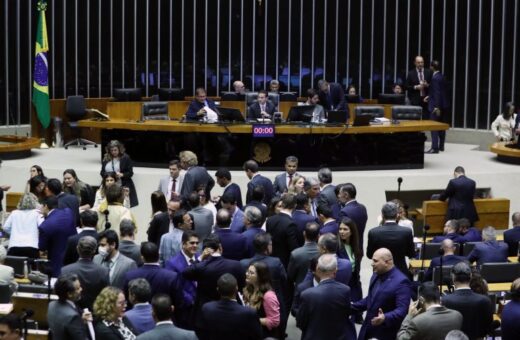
504 153
13 147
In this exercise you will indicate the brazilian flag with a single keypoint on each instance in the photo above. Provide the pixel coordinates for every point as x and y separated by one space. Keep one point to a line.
40 95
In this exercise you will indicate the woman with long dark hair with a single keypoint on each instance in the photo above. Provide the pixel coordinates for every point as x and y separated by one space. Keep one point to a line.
109 179
349 249
74 186
116 160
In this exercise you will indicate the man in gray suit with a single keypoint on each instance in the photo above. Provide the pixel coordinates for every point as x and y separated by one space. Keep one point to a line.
93 277
171 185
110 257
127 244
162 311
427 319
301 257
327 195
202 218
63 317
282 181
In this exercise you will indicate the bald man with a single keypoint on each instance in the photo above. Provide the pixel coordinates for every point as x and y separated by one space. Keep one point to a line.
448 259
417 83
387 301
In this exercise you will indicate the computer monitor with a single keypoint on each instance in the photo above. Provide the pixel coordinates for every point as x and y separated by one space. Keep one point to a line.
127 95
391 98
230 115
170 94
231 96
302 113
353 98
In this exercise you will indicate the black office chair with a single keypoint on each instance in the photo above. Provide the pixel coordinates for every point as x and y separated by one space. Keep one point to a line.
500 272
406 112
76 110
17 263
251 98
431 250
374 111
5 293
468 247
446 276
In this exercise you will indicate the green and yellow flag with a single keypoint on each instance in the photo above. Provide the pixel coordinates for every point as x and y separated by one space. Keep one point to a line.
40 95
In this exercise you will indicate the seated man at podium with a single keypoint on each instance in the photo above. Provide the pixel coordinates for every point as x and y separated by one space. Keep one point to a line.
262 108
202 108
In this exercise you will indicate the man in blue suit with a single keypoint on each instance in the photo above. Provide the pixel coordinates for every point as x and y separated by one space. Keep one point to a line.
225 318
327 189
253 223
437 105
301 216
229 203
329 224
161 280
388 299
257 201
282 181
332 96
251 169
448 259
467 232
54 187
451 231
59 224
490 250
234 245
185 258
139 295
324 310
329 244
198 109
223 176
460 192
512 236
353 209
511 314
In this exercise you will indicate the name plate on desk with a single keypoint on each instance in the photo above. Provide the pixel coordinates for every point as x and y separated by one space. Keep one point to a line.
263 130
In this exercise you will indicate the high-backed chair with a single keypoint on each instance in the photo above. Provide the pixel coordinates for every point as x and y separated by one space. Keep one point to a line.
5 293
500 272
17 263
76 110
374 111
446 275
251 98
274 98
431 250
155 111
288 97
468 247
406 112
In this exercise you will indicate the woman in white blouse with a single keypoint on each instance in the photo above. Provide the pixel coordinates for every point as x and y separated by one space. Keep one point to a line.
504 124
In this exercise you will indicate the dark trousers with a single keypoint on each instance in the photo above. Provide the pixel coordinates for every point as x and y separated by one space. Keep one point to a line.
438 137
29 252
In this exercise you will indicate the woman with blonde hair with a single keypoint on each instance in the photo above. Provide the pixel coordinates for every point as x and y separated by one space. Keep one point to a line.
296 185
116 160
109 320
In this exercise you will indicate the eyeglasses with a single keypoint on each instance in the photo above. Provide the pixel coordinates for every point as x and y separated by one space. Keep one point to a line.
194 242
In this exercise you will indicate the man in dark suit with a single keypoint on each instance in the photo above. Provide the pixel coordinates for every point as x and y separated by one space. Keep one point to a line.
251 169
451 232
448 258
332 96
392 236
437 106
160 223
257 201
512 236
237 215
511 314
282 181
327 195
127 244
387 300
196 177
225 318
234 245
223 176
476 309
490 250
329 244
88 223
301 257
202 108
308 282
467 232
328 223
54 187
324 310
261 108
418 80
253 222
58 226
427 319
283 230
161 280
93 277
460 192
207 272
301 216
185 258
311 187
139 295
64 318
353 209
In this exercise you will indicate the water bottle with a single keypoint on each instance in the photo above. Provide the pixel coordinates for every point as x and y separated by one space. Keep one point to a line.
25 270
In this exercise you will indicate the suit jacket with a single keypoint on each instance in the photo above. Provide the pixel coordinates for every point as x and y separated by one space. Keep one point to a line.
412 79
202 221
512 237
301 218
141 317
234 245
509 320
195 106
226 319
54 232
93 278
447 260
489 251
65 321
263 181
69 201
178 264
122 266
254 110
159 225
476 310
399 240
131 250
103 332
283 232
168 332
452 236
329 227
280 183
237 221
307 283
324 312
358 213
300 260
250 234
460 192
438 98
234 189
433 324
165 186
390 292
472 235
334 99
71 253
161 281
127 168
195 178
328 196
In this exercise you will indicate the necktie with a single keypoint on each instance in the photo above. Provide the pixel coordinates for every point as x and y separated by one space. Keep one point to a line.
290 180
263 108
421 80
172 195
192 262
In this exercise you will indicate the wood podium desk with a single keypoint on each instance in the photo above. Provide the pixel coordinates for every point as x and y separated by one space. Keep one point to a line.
154 143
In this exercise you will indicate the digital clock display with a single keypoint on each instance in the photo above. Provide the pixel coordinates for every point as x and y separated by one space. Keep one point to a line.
263 130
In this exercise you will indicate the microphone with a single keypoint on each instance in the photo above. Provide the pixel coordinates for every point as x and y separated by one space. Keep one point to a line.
26 313
425 233
399 181
426 227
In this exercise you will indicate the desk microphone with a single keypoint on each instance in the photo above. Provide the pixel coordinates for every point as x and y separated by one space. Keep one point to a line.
399 181
26 313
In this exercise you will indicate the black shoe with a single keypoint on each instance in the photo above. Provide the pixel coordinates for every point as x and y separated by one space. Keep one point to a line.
441 149
432 151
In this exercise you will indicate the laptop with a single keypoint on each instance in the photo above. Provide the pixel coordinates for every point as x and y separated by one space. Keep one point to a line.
302 113
337 117
362 120
230 115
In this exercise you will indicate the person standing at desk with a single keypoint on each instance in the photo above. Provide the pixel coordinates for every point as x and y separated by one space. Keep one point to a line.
202 108
332 96
262 108
437 105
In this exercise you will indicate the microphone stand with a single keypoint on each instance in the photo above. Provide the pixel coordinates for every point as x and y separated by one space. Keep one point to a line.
441 253
425 233
399 181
